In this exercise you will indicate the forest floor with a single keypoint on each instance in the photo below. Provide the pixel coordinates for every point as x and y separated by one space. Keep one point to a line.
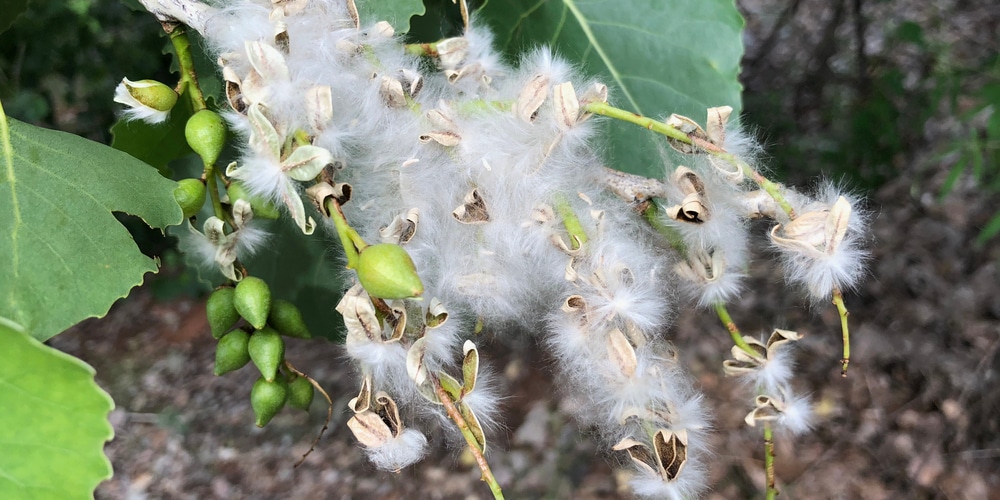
917 417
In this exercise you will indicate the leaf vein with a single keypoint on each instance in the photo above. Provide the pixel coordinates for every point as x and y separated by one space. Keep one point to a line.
608 63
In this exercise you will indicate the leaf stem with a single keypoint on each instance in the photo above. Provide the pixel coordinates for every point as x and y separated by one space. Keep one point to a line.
771 188
189 79
734 332
838 300
456 417
772 491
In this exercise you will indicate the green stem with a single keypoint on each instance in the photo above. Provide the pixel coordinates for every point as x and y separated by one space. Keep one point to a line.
189 79
734 332
352 242
422 49
838 300
771 188
211 184
578 237
772 491
470 439
672 236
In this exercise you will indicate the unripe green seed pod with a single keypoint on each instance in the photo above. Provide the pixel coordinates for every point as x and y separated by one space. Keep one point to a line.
252 299
387 272
206 134
222 314
267 351
232 352
268 398
152 94
287 319
190 195
300 393
262 208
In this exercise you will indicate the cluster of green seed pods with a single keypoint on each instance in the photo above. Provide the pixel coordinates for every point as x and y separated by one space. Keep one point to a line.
260 341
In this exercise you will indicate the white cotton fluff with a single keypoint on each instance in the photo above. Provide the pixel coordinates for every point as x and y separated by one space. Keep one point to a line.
505 272
818 272
401 451
797 417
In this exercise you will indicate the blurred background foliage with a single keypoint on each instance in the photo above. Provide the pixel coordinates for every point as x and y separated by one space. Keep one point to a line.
866 90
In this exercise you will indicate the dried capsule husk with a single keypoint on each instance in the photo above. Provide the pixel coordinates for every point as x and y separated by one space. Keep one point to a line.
252 299
232 352
268 398
386 271
262 208
300 393
267 350
287 319
221 312
190 195
206 134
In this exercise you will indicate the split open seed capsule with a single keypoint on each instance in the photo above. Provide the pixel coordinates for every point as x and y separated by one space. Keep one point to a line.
262 208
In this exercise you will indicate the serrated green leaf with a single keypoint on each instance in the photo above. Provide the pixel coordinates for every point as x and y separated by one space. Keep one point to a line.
10 12
396 12
66 257
54 422
658 57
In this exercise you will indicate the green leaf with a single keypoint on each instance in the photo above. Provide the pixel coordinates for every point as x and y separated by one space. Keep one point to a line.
658 57
396 12
10 12
156 145
991 229
66 257
54 422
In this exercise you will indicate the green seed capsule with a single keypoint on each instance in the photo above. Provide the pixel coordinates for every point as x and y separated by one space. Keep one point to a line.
206 134
261 208
190 195
232 352
267 399
222 314
287 319
267 351
387 272
300 393
152 94
252 299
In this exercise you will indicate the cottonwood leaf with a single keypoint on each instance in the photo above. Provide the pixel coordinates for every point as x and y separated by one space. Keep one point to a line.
396 12
54 422
657 56
65 256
